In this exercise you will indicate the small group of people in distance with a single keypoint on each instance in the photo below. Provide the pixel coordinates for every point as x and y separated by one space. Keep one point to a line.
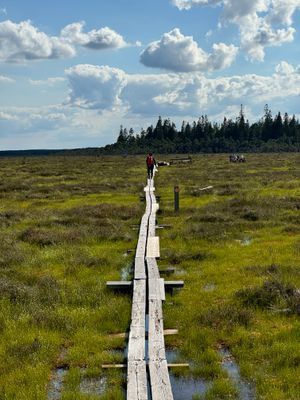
237 158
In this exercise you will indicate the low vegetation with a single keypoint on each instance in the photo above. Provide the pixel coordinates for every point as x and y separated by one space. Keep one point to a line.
67 226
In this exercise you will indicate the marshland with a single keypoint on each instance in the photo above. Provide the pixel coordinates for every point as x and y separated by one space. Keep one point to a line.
68 225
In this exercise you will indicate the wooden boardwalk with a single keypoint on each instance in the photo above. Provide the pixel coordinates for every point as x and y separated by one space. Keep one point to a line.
147 368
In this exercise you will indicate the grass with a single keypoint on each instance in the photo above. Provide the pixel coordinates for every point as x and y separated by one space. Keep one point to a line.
66 225
247 228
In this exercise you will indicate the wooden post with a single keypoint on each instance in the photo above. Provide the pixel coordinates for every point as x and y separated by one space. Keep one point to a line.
176 198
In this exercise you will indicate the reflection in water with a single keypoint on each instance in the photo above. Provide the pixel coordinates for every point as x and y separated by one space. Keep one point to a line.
56 384
246 391
126 272
95 386
184 388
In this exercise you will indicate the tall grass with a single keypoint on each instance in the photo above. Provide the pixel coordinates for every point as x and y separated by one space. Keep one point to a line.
66 224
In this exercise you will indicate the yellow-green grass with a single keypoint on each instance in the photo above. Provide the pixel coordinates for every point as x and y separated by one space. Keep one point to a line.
66 225
231 245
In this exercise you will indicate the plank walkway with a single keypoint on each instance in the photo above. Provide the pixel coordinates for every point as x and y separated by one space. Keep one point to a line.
147 366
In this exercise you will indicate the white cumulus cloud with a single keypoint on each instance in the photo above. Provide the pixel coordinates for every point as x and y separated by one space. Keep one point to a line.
284 68
6 79
257 34
188 4
105 88
95 87
262 23
23 41
282 11
95 39
180 53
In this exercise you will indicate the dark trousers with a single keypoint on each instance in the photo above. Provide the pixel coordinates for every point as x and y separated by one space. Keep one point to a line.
150 171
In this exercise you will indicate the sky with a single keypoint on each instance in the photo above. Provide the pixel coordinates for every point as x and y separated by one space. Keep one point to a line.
71 73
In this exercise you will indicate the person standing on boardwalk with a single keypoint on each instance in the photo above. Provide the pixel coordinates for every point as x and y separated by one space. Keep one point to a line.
150 161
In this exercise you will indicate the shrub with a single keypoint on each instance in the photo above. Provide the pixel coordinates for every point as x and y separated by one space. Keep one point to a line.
226 316
271 293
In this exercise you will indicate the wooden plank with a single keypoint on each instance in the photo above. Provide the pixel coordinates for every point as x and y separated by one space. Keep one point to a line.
180 365
156 289
119 285
162 289
141 247
174 284
169 332
156 346
152 224
147 246
155 207
149 189
152 268
139 268
138 312
160 381
127 285
153 247
136 381
125 335
136 344
108 366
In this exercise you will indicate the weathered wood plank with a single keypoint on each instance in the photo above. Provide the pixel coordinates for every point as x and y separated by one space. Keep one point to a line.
108 366
138 312
152 268
156 289
136 381
147 251
162 289
174 284
139 268
125 335
153 247
152 224
127 285
156 346
141 247
136 344
155 207
119 285
160 381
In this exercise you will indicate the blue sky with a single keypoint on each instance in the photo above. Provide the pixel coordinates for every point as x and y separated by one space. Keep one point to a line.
72 72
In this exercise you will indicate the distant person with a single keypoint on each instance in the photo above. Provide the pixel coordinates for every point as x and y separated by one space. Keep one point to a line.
150 161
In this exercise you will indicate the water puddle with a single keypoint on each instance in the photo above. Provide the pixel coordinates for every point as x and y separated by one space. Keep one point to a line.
184 388
187 387
246 390
56 384
93 386
126 272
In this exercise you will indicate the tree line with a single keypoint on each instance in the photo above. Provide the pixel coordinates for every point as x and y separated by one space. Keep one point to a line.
278 133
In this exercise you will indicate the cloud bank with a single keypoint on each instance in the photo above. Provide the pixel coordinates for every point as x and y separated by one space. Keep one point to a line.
101 98
105 88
